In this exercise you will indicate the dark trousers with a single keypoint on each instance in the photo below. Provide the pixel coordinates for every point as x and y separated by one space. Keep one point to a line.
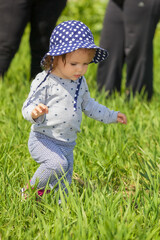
15 14
127 34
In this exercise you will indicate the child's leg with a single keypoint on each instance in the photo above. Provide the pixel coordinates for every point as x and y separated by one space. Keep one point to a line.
68 153
52 163
52 160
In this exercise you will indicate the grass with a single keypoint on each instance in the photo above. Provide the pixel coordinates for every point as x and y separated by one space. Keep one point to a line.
116 181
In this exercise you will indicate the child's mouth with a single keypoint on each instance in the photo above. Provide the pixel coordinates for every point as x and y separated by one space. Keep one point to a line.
77 76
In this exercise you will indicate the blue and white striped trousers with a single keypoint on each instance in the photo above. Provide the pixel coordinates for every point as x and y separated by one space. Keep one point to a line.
55 158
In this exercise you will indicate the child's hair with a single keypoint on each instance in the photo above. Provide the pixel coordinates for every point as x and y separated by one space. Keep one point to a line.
50 63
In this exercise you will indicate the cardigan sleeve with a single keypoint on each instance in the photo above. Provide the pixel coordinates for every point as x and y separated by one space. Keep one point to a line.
97 111
36 96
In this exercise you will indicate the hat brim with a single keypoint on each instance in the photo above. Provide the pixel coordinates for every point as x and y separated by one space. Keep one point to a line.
100 55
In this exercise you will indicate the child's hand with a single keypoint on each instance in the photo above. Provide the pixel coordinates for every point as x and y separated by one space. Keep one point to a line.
39 110
121 118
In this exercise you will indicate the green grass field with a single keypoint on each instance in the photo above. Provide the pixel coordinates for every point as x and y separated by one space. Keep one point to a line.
115 193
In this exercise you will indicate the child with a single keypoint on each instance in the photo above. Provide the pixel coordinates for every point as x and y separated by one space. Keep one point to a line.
57 98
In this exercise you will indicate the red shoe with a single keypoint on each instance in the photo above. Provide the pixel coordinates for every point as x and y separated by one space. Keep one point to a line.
25 195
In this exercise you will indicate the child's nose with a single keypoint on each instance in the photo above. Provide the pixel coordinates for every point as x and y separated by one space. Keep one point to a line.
79 68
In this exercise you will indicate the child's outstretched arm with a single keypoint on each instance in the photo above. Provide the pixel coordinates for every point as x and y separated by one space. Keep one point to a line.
39 110
100 112
121 118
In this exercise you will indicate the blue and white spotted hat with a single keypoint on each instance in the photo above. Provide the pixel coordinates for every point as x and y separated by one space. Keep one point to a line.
71 35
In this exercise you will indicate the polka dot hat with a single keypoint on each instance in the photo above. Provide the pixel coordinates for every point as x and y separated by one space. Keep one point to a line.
70 36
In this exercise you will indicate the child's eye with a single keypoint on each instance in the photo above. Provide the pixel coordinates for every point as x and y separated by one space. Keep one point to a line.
73 64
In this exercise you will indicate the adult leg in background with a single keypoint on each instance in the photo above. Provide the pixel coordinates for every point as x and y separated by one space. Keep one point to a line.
140 20
14 17
112 38
44 16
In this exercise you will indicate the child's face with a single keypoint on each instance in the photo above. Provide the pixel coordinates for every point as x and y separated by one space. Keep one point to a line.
76 64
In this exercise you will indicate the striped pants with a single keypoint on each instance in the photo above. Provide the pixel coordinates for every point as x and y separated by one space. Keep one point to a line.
55 158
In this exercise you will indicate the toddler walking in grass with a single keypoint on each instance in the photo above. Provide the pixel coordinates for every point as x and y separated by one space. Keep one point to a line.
57 98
